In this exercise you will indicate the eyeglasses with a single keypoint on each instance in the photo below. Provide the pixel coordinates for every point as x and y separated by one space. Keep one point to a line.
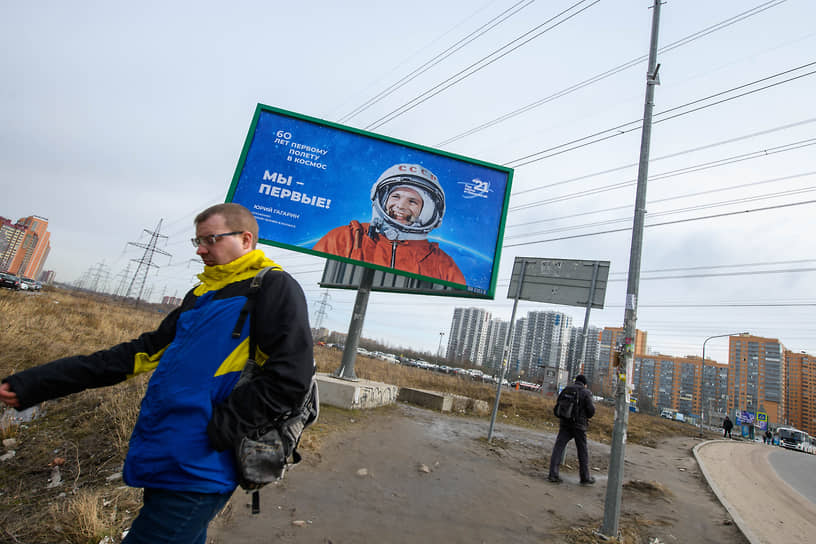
211 239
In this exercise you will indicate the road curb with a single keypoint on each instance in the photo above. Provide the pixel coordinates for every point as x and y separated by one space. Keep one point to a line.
743 527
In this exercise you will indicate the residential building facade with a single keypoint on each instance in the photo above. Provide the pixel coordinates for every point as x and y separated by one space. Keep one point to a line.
687 385
468 336
24 245
586 365
800 391
601 378
756 376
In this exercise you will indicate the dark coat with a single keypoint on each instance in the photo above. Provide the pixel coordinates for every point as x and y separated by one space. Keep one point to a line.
586 408
727 424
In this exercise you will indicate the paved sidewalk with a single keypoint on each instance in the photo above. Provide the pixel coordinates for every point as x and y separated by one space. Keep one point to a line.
765 507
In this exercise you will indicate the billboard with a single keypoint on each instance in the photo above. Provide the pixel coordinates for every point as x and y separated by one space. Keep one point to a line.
362 198
339 275
560 281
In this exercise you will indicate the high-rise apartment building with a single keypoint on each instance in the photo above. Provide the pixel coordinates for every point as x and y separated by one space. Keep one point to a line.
468 335
800 391
540 348
756 376
592 350
546 343
685 384
24 245
47 276
496 338
600 379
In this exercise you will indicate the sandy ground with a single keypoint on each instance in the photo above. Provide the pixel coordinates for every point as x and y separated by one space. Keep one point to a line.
770 510
409 475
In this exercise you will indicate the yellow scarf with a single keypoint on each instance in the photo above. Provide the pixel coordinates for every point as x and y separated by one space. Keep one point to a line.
244 267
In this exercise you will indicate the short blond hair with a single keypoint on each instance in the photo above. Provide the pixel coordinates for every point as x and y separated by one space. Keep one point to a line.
236 216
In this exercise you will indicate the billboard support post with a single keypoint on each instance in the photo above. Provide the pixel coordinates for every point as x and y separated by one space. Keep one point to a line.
578 366
505 356
614 489
346 370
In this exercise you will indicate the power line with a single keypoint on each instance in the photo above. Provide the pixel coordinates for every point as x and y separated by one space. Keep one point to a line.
725 274
439 58
793 146
715 266
661 224
631 126
474 68
612 71
669 156
730 202
723 305
667 199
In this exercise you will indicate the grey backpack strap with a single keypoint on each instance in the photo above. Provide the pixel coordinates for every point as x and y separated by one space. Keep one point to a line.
254 287
251 367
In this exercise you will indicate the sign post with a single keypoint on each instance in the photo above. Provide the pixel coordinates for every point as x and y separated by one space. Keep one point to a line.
557 281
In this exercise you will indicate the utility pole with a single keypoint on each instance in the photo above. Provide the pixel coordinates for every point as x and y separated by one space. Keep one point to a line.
146 262
612 505
122 276
99 274
439 350
321 310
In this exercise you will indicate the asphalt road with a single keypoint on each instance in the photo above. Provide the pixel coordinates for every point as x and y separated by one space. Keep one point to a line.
764 503
797 469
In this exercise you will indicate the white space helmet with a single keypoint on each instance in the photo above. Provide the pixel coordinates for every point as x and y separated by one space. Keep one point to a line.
424 182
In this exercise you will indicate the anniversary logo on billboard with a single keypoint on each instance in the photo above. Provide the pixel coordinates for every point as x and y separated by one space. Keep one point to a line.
354 196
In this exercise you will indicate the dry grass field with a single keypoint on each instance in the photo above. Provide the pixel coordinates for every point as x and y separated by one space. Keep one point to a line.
61 485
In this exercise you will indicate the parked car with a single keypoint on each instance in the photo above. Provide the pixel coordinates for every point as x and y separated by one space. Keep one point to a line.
33 285
10 281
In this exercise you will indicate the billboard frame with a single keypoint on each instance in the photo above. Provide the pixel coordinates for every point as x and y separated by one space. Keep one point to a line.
471 291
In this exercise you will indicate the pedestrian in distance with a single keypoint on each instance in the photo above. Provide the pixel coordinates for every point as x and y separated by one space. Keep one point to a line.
727 425
573 427
181 449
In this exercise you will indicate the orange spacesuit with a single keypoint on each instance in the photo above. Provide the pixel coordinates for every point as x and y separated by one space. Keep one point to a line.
416 256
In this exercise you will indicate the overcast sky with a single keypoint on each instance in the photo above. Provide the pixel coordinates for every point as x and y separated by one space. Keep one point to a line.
116 116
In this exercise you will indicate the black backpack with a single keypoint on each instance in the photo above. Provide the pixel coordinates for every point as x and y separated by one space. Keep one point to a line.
263 455
566 407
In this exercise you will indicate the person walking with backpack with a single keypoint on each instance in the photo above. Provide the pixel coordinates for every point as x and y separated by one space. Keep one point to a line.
574 408
180 451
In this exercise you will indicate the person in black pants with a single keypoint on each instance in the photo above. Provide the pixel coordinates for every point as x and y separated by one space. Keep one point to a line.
574 429
727 426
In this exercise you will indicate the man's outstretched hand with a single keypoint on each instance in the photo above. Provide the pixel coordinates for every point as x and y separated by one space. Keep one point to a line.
8 397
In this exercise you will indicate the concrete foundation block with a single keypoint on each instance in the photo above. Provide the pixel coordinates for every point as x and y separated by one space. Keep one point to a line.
427 399
355 395
444 402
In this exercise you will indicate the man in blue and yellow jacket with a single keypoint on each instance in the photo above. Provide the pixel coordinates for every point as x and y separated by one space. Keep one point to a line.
181 447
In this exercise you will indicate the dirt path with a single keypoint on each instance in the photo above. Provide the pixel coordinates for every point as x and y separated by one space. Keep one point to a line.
408 475
770 509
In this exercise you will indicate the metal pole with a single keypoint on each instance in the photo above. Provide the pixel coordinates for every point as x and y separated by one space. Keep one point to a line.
579 368
702 378
346 370
506 354
614 486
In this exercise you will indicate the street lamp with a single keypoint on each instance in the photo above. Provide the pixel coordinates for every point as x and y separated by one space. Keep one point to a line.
702 376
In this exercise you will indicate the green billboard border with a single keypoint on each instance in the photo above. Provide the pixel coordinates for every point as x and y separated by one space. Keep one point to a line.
491 292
